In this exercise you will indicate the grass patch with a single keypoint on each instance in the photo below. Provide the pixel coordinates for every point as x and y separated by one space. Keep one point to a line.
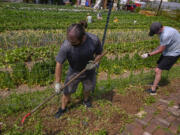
150 100
104 112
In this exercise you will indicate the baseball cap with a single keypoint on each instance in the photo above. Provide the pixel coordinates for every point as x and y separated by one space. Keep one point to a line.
155 27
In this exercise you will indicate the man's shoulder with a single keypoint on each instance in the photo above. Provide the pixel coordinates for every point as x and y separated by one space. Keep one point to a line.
168 32
92 36
66 44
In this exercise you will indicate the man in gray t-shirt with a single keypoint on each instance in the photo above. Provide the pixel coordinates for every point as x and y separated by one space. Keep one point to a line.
169 47
170 38
79 49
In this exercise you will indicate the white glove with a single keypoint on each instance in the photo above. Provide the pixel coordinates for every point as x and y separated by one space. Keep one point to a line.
144 56
91 65
57 88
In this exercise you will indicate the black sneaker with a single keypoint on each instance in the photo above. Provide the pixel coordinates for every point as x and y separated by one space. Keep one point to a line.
151 92
59 113
87 103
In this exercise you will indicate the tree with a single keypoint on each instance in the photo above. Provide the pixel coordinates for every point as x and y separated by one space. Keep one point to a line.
159 8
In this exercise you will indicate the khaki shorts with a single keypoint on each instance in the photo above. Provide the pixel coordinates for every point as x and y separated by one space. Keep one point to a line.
88 80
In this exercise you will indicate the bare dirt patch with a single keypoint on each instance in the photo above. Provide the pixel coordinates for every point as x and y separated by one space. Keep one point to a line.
130 102
23 89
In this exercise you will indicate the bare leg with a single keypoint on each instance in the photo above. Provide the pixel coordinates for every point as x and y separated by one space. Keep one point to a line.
157 78
86 95
64 101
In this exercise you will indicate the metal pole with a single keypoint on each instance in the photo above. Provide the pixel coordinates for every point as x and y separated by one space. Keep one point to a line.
107 22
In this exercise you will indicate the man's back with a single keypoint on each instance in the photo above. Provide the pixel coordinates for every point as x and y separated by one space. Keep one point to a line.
170 38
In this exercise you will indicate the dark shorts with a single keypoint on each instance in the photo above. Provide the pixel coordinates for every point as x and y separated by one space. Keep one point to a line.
166 62
88 80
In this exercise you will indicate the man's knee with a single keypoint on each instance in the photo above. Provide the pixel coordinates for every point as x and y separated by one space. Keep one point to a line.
158 71
66 96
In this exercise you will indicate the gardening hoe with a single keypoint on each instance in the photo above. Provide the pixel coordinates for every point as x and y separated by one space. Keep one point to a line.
107 22
49 98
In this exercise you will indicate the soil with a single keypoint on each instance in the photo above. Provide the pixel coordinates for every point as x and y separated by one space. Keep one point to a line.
88 121
130 102
23 89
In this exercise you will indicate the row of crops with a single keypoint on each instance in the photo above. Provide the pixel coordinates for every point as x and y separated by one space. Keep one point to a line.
28 54
42 73
14 39
18 19
43 63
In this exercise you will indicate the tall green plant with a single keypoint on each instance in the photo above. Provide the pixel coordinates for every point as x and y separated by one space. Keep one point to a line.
6 80
42 73
19 74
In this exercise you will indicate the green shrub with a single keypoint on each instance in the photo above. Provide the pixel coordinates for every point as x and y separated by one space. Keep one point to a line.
6 80
137 9
150 100
42 73
20 72
102 132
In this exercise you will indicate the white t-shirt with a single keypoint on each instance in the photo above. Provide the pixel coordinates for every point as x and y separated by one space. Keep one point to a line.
89 19
170 38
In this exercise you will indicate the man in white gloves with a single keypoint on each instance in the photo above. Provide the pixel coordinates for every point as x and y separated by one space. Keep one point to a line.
169 47
80 49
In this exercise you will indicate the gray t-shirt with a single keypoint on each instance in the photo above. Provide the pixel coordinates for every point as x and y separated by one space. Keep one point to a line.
170 38
79 56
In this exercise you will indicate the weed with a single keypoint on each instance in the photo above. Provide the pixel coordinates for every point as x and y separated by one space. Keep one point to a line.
157 112
150 100
19 74
171 103
102 132
178 130
6 80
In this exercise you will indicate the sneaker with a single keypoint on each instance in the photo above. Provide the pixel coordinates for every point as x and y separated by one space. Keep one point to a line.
59 113
151 92
87 103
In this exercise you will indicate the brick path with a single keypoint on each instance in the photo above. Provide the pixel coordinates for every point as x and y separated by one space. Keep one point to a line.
162 118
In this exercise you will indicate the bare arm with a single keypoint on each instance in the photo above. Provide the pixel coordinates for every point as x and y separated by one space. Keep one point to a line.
58 72
160 49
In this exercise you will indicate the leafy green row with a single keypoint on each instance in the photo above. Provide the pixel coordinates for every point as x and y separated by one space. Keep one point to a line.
36 38
26 54
16 19
127 63
143 46
42 73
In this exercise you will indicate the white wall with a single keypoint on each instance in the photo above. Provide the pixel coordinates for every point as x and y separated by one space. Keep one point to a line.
160 0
